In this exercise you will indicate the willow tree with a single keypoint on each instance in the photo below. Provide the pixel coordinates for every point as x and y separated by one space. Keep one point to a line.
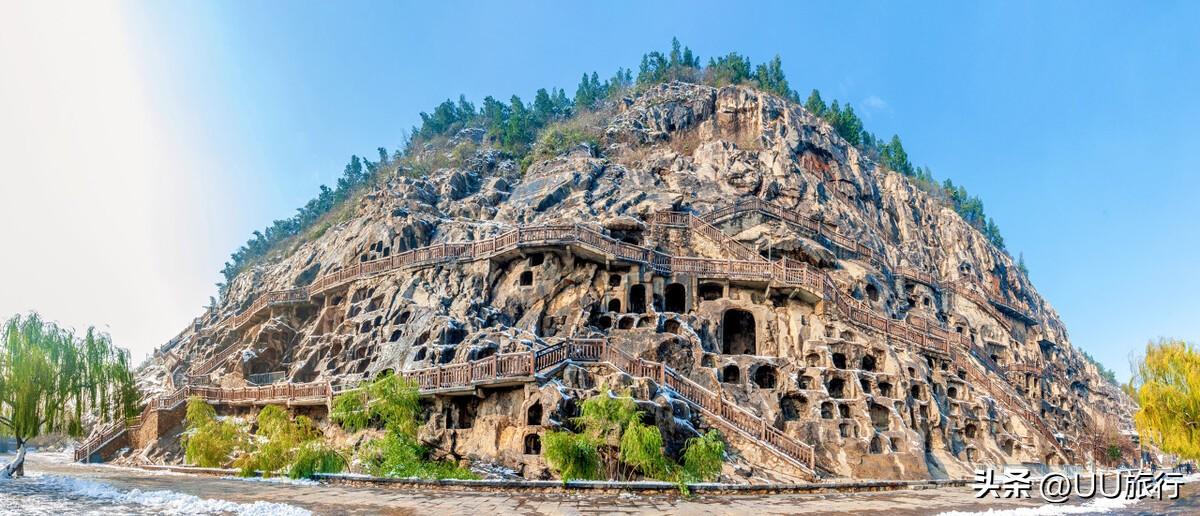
50 378
1166 385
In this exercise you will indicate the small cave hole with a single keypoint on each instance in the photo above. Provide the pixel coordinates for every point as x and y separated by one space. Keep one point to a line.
711 291
837 388
533 444
764 377
872 292
839 360
526 278
731 374
533 416
868 363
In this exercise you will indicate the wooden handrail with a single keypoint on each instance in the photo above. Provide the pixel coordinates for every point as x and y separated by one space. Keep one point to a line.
917 332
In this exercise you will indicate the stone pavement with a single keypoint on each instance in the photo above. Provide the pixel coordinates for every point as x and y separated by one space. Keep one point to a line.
336 499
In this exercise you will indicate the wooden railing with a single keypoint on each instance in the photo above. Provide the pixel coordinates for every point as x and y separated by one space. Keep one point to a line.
808 225
104 436
723 412
918 332
796 274
217 359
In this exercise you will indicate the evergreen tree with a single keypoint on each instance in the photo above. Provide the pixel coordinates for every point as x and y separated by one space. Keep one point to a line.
732 68
847 124
896 158
815 104
770 78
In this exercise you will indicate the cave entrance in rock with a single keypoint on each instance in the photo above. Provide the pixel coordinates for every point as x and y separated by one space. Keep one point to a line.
676 295
764 377
876 446
533 416
614 305
533 444
526 278
839 360
737 333
872 292
460 414
793 406
879 417
731 374
637 298
837 388
711 291
868 363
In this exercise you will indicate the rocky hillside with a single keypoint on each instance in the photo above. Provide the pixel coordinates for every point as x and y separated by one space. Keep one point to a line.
925 351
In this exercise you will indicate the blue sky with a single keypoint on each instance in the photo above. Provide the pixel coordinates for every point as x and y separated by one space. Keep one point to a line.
1074 121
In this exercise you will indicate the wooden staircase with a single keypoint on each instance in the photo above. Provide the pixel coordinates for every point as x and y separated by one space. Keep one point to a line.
919 333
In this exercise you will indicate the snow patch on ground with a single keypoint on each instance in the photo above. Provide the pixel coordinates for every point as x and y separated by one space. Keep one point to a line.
166 502
277 480
1101 505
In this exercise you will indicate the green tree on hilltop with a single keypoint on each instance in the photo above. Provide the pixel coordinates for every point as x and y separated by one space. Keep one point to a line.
732 68
815 104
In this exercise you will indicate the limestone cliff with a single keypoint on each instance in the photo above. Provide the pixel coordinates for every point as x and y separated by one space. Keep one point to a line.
685 171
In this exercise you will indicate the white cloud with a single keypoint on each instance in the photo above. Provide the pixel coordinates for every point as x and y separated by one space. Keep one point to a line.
873 104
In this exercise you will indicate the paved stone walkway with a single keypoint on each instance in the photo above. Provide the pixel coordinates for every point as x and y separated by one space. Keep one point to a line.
339 500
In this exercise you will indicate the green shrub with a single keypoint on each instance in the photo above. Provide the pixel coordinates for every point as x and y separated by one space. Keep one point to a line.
642 448
281 443
702 458
613 439
395 402
399 455
350 410
207 441
573 456
316 457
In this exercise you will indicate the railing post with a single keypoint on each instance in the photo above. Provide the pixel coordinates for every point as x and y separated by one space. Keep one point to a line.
495 366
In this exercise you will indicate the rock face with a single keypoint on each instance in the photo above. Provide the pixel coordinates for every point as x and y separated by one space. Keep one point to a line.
871 405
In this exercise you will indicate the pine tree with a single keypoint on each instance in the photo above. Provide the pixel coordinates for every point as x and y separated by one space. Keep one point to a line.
815 104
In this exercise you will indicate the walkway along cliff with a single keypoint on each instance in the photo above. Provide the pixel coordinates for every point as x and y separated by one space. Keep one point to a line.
722 253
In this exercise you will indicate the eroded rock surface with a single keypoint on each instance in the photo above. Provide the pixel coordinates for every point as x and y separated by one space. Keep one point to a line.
872 407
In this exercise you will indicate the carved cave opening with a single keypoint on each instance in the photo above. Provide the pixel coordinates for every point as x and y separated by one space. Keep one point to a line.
731 374
764 377
637 298
533 416
711 291
533 444
738 333
676 298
